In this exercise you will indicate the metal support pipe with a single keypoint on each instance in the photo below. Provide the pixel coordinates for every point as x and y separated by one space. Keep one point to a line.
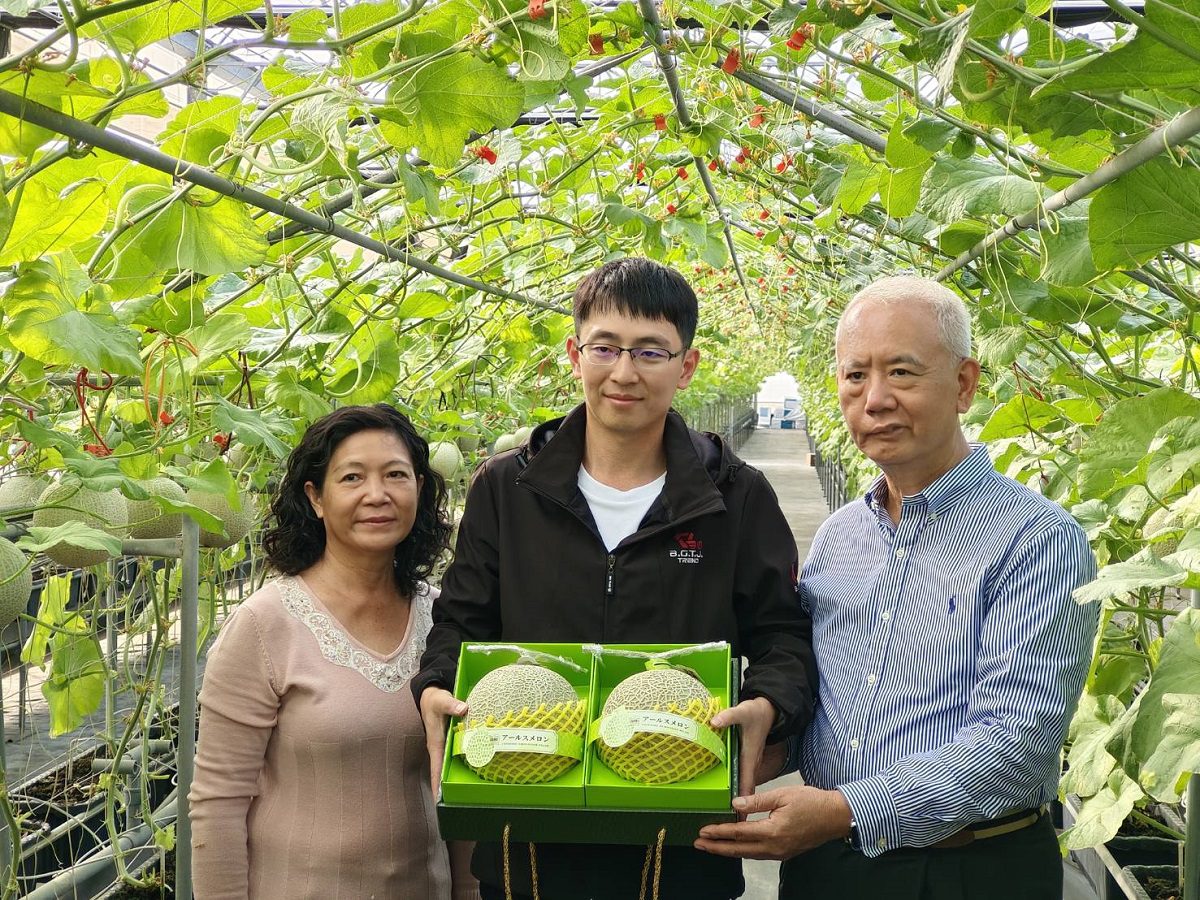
110 653
86 133
1170 135
1190 871
670 70
837 122
189 616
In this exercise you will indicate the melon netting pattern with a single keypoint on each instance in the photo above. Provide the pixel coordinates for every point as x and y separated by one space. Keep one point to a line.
515 767
652 758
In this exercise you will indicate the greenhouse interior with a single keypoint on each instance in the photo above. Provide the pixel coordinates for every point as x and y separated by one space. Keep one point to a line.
223 219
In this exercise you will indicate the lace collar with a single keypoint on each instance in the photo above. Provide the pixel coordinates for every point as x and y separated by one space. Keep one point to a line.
390 674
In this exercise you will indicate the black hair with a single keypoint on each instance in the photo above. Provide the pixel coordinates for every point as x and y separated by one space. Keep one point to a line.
640 288
295 537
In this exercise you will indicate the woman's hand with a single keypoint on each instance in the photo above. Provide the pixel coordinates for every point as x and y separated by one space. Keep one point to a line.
437 705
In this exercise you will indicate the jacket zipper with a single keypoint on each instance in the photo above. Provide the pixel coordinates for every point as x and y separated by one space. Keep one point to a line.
610 576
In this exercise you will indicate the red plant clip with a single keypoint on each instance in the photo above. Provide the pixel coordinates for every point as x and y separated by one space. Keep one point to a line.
672 208
800 37
537 9
757 119
712 165
732 60
486 153
596 42
660 122
682 173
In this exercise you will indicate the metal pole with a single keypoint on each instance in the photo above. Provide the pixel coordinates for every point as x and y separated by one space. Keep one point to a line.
6 856
666 62
1190 873
1170 135
839 123
110 652
189 615
86 133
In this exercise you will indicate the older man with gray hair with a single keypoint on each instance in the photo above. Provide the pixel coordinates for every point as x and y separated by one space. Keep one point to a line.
950 650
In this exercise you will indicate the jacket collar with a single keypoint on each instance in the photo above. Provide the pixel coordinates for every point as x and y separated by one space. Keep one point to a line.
696 464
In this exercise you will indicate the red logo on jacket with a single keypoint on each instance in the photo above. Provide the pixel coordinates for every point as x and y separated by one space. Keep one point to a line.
690 548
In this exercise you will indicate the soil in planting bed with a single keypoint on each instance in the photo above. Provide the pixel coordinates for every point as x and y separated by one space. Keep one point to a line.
1161 889
162 883
73 784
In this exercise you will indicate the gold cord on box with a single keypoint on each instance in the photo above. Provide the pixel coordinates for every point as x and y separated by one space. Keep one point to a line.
533 875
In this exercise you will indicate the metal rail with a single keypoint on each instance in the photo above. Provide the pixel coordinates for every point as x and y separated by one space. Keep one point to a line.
669 67
86 133
1170 135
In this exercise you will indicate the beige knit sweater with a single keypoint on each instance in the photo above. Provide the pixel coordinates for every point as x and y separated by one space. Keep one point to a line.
312 778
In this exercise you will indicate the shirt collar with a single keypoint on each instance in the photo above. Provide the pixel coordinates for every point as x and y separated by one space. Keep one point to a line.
946 490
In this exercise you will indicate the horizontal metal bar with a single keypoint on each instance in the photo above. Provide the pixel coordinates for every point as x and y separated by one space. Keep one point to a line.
836 121
1170 135
84 132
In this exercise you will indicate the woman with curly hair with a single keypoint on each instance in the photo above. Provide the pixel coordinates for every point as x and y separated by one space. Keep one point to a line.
312 777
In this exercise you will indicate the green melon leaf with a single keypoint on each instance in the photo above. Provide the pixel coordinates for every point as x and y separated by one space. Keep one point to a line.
1118 580
1089 763
255 428
1177 672
1123 436
80 211
1144 211
1176 754
44 319
51 611
958 187
1018 417
132 29
447 99
76 533
1103 813
196 232
78 674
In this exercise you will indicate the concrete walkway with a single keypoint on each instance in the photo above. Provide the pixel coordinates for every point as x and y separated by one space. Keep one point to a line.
783 458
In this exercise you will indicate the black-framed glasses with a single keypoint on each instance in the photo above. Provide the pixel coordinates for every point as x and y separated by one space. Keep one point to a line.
643 357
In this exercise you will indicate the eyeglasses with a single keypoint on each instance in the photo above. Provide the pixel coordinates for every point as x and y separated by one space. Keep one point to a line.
643 357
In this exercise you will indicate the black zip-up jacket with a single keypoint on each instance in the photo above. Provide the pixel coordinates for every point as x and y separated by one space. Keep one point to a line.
713 559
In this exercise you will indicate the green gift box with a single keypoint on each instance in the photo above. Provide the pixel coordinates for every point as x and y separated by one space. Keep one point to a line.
590 803
461 786
709 790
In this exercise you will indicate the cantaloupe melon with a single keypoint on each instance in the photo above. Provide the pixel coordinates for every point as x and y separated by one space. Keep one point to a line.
70 501
237 522
524 695
660 757
14 593
21 492
446 459
147 519
503 443
521 435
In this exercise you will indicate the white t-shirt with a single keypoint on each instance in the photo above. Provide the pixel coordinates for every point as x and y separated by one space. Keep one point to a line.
618 513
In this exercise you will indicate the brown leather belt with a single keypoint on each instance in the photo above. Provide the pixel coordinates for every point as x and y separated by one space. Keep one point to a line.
1005 824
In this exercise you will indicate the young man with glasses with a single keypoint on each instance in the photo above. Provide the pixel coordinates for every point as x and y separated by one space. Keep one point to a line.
619 524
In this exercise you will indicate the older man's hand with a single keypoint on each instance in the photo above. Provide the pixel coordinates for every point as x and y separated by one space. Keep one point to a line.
754 718
799 819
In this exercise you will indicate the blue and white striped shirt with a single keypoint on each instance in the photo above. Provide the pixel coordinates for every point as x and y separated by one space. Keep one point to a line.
950 650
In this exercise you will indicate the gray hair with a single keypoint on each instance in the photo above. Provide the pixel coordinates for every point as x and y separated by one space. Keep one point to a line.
953 319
